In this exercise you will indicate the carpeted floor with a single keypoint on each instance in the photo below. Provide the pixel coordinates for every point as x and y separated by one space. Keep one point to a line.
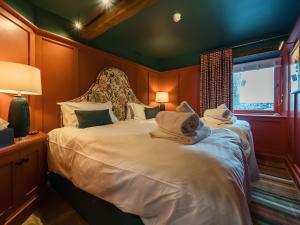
275 197
275 201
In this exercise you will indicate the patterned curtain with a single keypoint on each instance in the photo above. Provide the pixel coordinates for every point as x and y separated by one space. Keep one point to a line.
216 79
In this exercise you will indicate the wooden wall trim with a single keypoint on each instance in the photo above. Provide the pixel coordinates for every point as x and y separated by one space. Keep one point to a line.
294 170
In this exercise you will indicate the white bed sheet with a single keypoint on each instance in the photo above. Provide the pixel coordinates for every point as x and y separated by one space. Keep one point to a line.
161 181
243 129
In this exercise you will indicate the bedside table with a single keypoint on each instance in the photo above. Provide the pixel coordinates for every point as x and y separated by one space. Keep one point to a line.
22 177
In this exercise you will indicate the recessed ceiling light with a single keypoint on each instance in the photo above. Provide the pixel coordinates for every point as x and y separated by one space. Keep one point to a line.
177 17
107 4
77 25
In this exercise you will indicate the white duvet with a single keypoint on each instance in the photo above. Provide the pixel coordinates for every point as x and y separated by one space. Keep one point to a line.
161 181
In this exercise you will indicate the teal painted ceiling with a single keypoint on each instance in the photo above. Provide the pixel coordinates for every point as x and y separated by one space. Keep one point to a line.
153 39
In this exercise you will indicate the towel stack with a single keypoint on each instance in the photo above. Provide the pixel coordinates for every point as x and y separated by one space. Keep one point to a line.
183 126
219 115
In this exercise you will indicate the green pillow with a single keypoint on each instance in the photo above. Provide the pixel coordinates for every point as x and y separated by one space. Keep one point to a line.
93 118
151 112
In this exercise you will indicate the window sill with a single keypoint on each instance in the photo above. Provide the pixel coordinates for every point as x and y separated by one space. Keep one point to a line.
276 115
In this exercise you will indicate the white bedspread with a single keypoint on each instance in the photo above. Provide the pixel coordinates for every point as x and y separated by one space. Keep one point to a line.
161 181
243 130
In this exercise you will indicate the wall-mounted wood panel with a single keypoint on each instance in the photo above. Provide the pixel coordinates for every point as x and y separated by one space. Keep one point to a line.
270 134
293 106
142 85
169 82
297 129
59 68
130 70
91 62
189 84
153 87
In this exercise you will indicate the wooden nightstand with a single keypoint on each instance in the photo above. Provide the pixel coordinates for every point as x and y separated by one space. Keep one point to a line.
22 177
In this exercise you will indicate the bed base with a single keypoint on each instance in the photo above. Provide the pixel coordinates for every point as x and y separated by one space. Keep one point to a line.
94 210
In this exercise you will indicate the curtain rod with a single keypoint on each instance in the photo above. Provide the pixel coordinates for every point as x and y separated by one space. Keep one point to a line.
246 44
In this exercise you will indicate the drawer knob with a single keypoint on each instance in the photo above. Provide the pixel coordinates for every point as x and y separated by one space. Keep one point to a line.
20 162
25 160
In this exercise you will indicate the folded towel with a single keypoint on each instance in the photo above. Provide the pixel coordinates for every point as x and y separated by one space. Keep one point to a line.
200 135
181 123
185 107
220 113
208 119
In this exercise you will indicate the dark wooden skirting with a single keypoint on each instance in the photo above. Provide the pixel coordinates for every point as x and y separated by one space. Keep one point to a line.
294 170
24 211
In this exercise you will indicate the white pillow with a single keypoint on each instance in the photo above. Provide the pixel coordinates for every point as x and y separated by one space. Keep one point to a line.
138 110
129 112
68 111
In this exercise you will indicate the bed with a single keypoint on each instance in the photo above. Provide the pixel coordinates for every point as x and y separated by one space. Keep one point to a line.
140 180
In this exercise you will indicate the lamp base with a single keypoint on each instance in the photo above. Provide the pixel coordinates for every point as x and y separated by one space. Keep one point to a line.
162 107
19 117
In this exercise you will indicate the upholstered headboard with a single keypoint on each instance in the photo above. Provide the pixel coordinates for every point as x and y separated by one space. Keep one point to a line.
111 85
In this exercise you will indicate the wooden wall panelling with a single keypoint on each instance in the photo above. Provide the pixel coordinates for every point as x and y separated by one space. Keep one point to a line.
297 129
130 70
16 45
91 62
293 107
59 66
110 60
189 84
270 134
153 87
142 85
169 82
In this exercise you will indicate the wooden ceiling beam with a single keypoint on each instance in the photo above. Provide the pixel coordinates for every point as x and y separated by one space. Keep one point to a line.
123 10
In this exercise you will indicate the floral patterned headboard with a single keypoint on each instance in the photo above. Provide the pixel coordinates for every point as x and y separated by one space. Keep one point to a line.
111 85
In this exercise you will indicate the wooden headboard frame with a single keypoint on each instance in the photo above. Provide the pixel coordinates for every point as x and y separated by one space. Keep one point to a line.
111 85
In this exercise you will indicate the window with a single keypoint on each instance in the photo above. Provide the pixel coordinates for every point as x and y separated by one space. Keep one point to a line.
254 86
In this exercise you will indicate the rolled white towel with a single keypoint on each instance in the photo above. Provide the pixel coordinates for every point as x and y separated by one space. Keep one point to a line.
220 113
185 107
226 111
208 119
181 123
201 134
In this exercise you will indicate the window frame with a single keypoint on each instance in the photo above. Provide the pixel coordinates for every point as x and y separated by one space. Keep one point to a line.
277 96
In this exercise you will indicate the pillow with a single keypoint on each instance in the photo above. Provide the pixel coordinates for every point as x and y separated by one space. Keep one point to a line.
151 112
93 118
68 108
129 112
138 111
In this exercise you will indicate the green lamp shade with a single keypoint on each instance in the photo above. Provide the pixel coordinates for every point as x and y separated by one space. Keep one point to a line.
19 116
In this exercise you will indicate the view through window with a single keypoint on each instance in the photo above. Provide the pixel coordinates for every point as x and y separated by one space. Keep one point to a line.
254 90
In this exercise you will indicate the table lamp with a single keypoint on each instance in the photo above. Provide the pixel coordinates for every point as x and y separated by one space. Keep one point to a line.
162 97
19 79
